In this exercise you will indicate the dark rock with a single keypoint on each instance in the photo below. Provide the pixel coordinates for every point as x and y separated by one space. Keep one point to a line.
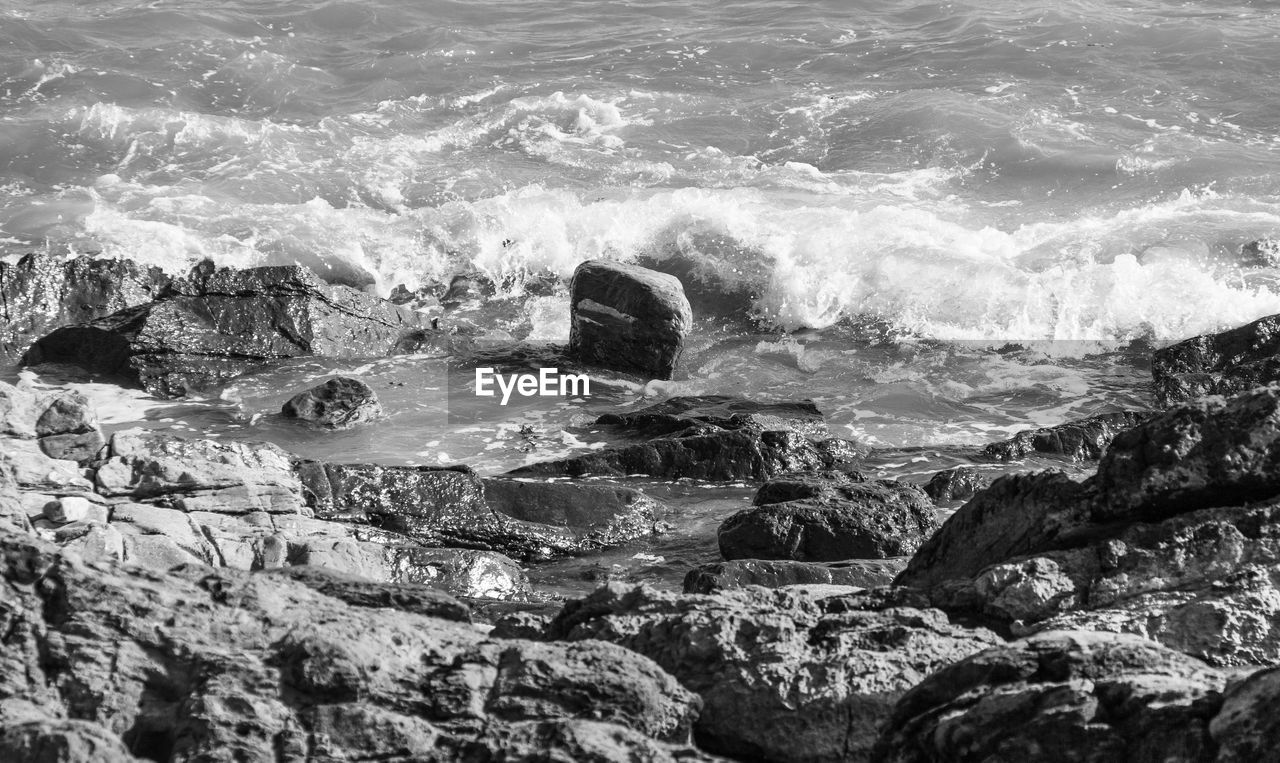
689 415
600 515
219 324
958 484
821 486
851 520
68 429
1218 364
784 675
202 665
358 592
1247 728
1083 440
339 403
1263 253
463 288
712 578
628 318
1067 696
724 455
42 292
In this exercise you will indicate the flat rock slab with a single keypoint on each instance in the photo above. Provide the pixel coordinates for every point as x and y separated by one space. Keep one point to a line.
627 318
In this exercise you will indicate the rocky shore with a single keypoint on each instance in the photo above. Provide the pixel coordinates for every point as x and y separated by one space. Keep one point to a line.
198 598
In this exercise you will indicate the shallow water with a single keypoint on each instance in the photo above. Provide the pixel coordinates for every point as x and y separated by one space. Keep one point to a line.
867 200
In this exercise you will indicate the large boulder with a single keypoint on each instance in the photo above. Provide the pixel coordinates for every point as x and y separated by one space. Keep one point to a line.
339 403
843 519
785 675
1060 697
218 324
1218 364
204 664
1083 440
778 573
627 318
42 292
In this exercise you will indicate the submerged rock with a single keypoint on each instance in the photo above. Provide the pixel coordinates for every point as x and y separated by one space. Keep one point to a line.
778 573
1218 364
42 292
339 403
627 318
1083 440
689 415
1064 696
219 324
784 675
204 664
841 520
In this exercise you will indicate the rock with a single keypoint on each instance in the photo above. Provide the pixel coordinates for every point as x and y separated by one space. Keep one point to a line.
36 471
219 324
42 292
860 573
1263 253
1083 440
628 318
599 516
434 506
1247 728
339 403
215 664
1218 364
95 542
958 484
1060 697
13 515
60 740
721 455
1210 452
462 572
63 424
584 742
190 475
688 415
19 409
73 508
844 520
360 592
784 675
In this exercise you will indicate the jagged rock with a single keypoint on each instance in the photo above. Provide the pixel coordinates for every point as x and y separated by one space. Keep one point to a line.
1218 364
598 515
690 414
1083 440
339 403
958 484
842 520
859 573
784 675
360 592
462 572
722 455
219 324
1247 727
1065 696
30 735
42 292
221 476
628 318
215 664
579 742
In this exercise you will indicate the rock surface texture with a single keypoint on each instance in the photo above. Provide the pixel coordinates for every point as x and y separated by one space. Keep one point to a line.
628 318
1219 364
339 403
218 324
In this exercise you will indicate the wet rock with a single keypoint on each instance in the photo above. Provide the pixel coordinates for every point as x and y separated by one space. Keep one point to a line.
628 318
1083 440
1218 364
221 476
692 414
462 572
42 292
820 486
771 573
846 520
218 324
360 592
339 403
958 484
598 515
1263 253
1247 727
784 675
203 664
1066 696
721 455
